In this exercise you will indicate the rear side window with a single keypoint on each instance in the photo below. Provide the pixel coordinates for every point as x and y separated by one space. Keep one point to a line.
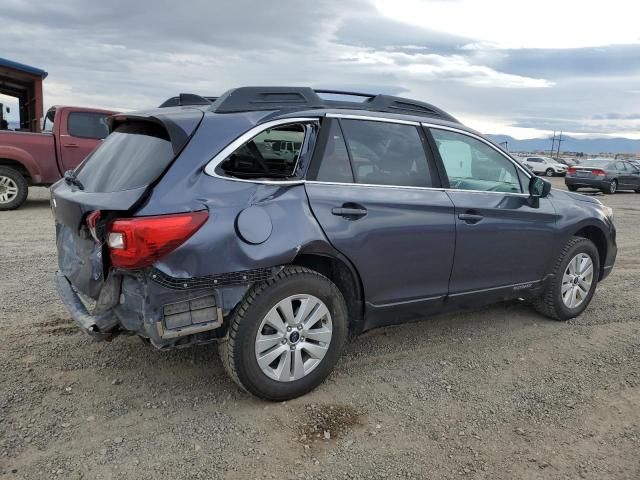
334 166
273 153
88 125
133 156
386 153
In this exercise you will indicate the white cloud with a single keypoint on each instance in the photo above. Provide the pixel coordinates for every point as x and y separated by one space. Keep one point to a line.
519 24
429 67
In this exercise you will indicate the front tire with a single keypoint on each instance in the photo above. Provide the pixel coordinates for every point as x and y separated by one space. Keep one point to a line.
13 189
574 281
286 336
549 172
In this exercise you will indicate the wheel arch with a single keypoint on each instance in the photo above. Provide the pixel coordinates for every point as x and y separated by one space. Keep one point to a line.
340 271
18 166
599 239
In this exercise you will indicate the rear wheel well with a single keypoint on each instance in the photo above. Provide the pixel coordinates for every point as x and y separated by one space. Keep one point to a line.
5 162
344 278
599 240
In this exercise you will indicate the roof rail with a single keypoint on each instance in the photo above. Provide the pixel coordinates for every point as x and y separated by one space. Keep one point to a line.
245 99
187 99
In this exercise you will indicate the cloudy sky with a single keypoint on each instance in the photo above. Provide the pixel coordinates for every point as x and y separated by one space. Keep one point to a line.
522 68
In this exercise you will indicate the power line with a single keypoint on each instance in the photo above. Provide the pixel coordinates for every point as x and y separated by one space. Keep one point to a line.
560 140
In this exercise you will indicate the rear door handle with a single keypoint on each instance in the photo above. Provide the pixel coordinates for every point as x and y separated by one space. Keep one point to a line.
349 212
470 217
71 145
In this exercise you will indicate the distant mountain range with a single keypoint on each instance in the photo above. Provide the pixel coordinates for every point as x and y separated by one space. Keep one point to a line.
571 144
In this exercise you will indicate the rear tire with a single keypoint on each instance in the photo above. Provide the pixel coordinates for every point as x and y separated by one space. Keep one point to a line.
552 303
572 188
611 188
248 333
549 172
13 189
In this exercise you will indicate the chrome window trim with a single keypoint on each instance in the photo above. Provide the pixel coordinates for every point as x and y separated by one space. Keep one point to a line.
249 134
439 189
348 116
210 168
478 137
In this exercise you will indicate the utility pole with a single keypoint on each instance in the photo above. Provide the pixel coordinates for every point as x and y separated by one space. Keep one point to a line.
560 140
505 145
553 143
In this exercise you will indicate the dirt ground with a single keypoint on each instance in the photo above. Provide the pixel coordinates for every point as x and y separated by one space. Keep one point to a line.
499 393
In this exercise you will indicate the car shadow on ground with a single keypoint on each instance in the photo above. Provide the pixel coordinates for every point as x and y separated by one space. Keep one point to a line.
447 330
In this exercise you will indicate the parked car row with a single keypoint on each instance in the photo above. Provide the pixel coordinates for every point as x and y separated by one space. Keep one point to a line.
185 228
607 175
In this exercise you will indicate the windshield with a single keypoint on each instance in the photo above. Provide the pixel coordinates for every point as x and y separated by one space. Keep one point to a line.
133 156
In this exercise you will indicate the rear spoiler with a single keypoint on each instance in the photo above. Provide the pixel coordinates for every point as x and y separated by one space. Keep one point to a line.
187 99
178 125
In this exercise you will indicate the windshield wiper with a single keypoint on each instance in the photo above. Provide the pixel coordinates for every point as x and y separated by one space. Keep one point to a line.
71 179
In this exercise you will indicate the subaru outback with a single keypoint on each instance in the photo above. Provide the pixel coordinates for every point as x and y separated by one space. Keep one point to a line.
281 221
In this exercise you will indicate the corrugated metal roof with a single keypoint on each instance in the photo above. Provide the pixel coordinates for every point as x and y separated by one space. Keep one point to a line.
22 67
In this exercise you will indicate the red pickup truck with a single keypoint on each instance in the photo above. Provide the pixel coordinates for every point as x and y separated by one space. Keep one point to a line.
40 159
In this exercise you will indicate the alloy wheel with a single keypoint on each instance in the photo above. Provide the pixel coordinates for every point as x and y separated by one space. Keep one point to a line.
8 189
293 338
577 280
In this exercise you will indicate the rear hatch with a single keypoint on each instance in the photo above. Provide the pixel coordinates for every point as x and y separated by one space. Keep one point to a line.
114 180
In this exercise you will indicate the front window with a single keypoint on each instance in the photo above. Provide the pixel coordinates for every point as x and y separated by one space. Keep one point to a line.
473 165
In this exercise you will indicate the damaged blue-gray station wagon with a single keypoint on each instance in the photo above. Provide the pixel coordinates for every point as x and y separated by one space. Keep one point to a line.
280 221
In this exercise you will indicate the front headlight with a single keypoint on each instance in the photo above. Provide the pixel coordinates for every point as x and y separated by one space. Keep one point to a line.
608 211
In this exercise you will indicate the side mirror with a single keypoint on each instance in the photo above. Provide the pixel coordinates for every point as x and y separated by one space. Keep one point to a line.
538 188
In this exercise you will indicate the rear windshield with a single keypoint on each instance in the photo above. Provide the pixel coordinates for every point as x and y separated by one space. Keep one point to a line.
133 156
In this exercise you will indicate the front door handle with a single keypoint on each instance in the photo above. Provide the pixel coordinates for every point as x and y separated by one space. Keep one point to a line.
349 211
470 217
71 145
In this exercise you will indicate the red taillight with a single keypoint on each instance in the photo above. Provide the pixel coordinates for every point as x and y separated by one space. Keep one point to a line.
141 241
598 173
572 170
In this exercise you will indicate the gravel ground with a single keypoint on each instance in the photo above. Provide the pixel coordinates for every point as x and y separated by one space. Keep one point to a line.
498 393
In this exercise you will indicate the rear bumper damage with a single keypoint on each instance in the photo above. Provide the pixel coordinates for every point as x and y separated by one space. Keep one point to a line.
99 326
170 312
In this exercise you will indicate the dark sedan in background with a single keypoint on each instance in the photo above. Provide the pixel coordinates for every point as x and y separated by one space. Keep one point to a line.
604 174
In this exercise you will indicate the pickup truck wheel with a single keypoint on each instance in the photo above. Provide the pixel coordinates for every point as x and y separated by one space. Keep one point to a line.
574 281
286 336
13 189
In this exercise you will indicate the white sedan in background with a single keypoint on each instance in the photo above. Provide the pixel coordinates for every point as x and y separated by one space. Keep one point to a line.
545 166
